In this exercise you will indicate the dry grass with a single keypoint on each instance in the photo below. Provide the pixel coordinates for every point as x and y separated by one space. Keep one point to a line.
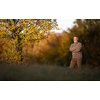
46 73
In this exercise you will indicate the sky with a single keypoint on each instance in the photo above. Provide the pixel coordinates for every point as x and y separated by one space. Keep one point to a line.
64 24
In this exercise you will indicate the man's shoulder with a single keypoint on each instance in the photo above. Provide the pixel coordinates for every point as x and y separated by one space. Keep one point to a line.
72 44
79 43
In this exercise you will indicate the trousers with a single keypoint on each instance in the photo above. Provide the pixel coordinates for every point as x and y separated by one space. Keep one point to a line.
77 61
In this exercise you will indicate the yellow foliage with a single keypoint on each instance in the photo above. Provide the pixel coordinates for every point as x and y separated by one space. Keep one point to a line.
48 51
21 31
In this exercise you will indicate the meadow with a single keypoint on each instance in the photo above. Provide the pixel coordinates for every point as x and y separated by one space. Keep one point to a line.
47 73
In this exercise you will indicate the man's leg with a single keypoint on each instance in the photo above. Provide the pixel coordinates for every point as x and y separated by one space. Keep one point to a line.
72 63
79 63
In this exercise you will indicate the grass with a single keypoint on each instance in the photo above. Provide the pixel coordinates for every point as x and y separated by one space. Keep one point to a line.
46 73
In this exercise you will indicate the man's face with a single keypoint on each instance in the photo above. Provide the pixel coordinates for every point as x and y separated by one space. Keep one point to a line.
75 39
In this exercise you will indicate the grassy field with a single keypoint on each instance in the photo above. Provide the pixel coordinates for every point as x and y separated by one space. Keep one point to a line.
46 73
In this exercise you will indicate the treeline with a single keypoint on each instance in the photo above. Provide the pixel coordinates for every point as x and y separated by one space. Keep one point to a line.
88 31
55 50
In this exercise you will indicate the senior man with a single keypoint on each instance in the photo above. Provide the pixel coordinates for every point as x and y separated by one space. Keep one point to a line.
76 49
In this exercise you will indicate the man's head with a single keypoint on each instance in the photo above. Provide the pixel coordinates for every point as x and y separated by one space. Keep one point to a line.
75 39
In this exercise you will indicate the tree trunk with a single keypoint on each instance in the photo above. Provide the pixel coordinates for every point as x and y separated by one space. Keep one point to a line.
19 50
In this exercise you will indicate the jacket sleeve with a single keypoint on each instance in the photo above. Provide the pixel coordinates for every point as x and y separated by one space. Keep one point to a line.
72 48
78 48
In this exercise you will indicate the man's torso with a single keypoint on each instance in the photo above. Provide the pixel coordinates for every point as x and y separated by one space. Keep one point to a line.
77 54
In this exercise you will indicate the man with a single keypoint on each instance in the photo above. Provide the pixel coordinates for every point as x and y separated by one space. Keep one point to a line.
76 49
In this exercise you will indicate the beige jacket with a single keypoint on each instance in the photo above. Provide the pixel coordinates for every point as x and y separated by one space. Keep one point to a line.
76 49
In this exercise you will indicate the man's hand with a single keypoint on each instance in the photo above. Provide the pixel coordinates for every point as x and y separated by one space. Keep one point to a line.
72 48
78 48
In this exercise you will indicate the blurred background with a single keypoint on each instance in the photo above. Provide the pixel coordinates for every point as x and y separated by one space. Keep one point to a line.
54 48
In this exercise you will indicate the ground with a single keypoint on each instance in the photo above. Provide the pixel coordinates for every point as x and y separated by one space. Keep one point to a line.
47 73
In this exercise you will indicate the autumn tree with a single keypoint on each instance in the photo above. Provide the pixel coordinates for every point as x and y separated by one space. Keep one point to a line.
23 30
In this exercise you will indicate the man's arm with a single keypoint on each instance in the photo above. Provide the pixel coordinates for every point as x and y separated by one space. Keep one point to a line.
78 48
72 48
